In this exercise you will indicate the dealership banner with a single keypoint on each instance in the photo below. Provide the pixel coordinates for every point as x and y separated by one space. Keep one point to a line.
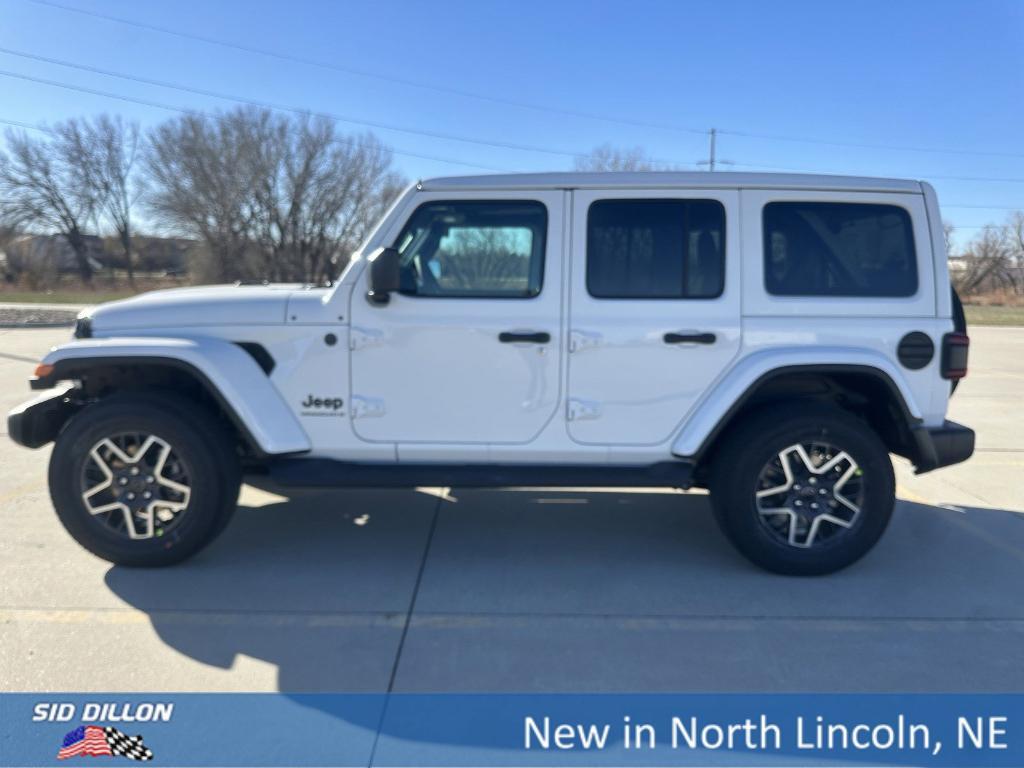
278 729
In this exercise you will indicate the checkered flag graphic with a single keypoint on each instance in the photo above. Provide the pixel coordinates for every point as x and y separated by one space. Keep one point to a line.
127 746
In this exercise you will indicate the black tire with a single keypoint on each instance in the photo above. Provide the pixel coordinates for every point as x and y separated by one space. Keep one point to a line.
753 448
196 438
225 445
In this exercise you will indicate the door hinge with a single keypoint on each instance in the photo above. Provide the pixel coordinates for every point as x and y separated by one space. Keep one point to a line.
367 407
361 338
580 340
579 410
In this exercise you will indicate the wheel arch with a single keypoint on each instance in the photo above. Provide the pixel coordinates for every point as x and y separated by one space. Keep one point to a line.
867 391
220 375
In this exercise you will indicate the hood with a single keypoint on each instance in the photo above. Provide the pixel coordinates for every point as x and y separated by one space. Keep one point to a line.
207 305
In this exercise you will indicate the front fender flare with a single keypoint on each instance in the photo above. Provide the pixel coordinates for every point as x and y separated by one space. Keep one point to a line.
708 417
228 373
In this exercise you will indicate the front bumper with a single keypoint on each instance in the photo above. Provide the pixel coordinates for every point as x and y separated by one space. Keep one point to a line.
941 446
37 422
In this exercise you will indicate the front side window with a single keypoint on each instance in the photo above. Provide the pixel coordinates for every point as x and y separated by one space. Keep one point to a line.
474 249
838 249
655 249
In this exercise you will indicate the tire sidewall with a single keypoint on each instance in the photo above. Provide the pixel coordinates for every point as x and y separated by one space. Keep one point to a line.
733 492
107 418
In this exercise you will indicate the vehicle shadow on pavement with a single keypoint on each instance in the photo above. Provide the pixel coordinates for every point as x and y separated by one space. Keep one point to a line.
585 591
318 585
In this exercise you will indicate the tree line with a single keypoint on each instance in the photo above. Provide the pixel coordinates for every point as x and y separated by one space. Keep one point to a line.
277 197
993 261
269 197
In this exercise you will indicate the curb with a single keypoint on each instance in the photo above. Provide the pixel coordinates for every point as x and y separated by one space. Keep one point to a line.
27 326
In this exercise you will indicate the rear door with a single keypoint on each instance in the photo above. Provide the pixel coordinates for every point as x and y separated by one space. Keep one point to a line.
654 310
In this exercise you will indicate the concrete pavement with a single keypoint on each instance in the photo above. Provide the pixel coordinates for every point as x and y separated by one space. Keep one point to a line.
528 590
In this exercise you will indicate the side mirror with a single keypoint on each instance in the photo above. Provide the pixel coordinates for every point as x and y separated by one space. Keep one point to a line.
384 275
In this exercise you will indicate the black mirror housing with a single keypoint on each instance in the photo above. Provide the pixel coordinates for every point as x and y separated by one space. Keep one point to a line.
384 275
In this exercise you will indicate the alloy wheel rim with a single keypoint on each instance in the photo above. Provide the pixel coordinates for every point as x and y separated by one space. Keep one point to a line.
136 485
809 494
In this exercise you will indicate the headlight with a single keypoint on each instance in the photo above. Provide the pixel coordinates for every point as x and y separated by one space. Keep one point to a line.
83 328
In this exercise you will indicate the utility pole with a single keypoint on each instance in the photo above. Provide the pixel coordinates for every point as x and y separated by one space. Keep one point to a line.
713 160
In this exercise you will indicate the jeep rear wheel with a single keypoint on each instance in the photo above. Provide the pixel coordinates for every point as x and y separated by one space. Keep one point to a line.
803 490
143 481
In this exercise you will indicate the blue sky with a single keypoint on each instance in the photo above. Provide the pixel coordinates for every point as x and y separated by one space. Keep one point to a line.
567 76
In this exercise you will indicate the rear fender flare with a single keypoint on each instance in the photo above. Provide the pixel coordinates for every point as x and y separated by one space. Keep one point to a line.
712 414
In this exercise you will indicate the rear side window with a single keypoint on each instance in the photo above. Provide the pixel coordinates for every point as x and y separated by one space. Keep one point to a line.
474 249
655 249
838 249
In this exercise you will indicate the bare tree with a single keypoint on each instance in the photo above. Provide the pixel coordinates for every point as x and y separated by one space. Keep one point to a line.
989 262
273 197
1015 226
45 184
197 166
8 234
114 147
609 158
948 230
492 259
317 196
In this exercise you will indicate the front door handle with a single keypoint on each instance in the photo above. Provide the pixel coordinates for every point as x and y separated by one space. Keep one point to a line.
689 338
533 337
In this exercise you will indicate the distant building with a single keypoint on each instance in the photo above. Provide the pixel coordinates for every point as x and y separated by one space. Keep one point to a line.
166 255
51 253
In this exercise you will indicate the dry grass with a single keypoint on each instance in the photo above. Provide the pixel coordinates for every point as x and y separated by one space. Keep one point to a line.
61 297
995 308
996 299
993 314
73 291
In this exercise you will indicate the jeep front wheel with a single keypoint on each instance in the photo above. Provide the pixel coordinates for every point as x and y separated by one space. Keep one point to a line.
143 481
803 490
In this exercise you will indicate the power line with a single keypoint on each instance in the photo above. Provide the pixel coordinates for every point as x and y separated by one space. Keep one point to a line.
275 106
338 118
20 124
863 145
373 124
294 58
384 126
185 111
272 105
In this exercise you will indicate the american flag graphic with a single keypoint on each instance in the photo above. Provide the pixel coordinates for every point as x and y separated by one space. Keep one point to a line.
97 741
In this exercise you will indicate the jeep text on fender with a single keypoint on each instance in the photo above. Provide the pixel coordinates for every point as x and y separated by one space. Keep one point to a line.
770 337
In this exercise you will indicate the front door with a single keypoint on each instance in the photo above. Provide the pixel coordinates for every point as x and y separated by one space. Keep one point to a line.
655 309
468 350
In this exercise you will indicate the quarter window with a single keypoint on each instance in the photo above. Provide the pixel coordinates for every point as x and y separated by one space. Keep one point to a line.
474 249
655 249
838 249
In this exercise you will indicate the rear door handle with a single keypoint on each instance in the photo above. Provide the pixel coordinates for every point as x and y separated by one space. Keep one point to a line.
689 338
533 337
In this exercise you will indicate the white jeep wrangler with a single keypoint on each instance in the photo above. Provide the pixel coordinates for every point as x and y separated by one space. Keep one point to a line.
770 337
